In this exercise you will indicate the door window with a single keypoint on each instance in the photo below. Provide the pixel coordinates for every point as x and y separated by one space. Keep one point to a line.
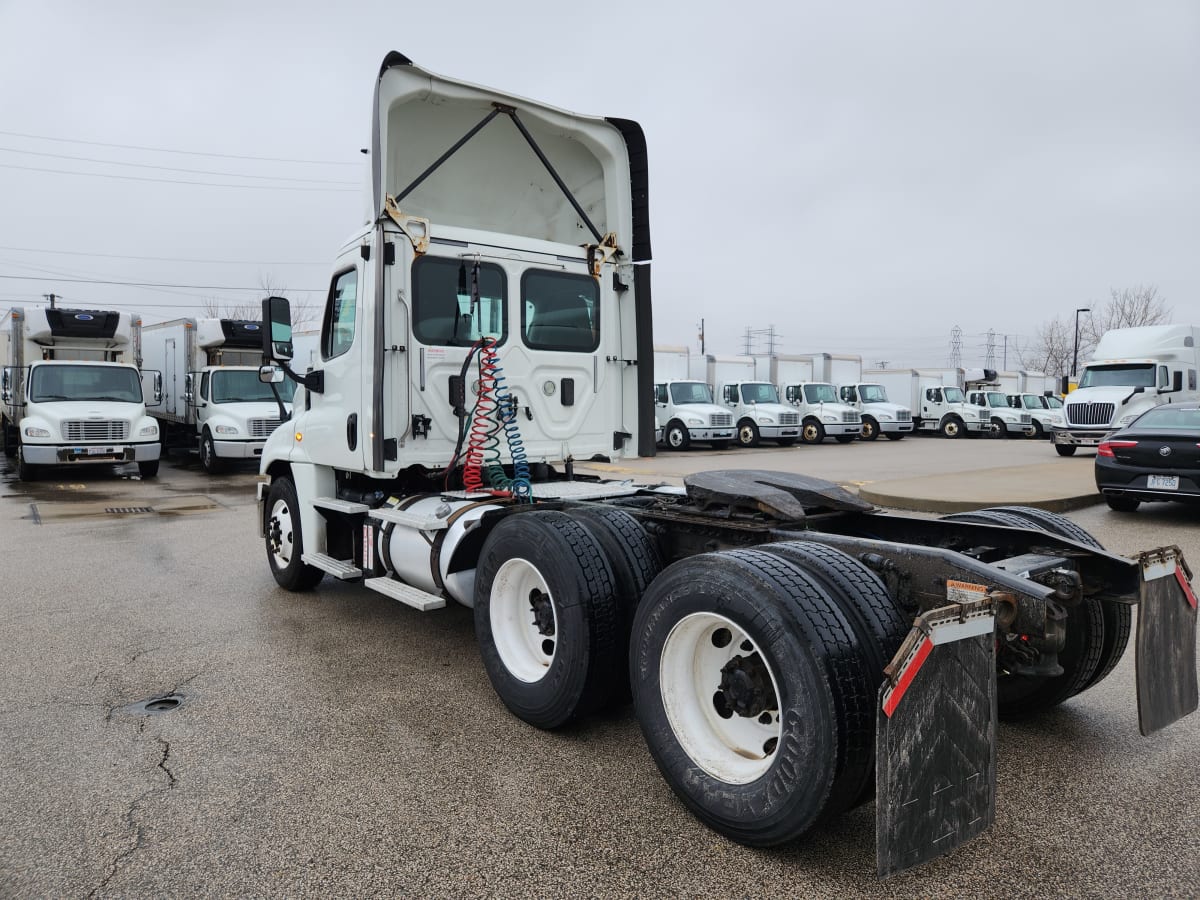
341 312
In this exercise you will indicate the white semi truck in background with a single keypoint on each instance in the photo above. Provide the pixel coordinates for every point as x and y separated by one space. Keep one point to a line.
936 399
684 410
72 390
1132 370
213 401
879 414
472 350
757 411
803 382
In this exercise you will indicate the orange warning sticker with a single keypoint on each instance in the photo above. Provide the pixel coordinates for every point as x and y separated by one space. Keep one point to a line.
965 591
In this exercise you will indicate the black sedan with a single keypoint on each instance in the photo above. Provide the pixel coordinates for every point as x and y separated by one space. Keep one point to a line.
1156 457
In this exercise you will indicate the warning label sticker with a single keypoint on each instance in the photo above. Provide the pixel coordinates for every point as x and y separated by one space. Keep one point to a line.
964 591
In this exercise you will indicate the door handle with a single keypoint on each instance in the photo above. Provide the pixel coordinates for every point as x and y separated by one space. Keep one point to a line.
352 431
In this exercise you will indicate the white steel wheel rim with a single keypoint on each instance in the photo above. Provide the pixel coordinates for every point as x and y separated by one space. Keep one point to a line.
524 650
675 437
281 533
736 749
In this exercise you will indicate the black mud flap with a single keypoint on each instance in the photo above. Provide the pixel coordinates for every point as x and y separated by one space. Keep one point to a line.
936 738
1166 640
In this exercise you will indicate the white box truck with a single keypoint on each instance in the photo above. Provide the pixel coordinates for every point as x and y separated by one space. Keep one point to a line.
985 391
1044 416
213 401
684 410
72 390
803 383
879 414
935 398
757 411
1132 370
762 620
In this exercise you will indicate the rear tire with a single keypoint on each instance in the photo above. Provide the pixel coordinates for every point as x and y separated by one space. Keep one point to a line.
285 541
547 619
10 438
1065 449
1122 504
752 693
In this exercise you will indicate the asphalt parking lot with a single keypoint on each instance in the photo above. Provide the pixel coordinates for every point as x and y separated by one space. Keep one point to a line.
337 743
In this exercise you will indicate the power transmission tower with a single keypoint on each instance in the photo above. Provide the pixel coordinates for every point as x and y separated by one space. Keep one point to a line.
956 347
990 361
746 343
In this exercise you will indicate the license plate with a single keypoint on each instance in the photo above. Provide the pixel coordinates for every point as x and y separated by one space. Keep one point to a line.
1163 482
100 451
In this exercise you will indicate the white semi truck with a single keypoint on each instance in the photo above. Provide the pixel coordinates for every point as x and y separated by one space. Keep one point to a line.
879 414
791 651
213 401
757 411
72 390
1132 370
936 399
803 382
684 410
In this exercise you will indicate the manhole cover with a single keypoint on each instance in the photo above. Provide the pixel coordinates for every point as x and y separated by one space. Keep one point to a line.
127 510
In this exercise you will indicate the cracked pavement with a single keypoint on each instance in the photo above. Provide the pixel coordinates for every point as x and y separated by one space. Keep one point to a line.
338 744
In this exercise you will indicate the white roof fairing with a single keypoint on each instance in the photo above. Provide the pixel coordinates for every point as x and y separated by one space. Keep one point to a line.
495 181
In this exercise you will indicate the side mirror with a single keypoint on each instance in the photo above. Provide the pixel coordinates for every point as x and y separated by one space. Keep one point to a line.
277 336
270 375
156 388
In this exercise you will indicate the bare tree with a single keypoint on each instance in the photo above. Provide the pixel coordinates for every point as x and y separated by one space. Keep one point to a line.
1052 348
304 312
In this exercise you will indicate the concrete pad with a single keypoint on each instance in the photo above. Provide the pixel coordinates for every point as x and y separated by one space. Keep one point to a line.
1048 486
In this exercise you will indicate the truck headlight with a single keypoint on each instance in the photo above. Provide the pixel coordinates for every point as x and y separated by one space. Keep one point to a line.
765 420
149 431
34 431
885 417
829 418
225 429
693 421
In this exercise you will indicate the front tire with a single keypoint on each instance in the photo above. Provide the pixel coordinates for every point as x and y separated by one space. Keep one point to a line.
952 427
148 468
812 431
998 429
870 429
547 619
1038 431
747 433
208 454
1065 449
285 541
25 471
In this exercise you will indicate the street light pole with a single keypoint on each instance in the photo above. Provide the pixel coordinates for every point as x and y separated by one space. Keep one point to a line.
1075 356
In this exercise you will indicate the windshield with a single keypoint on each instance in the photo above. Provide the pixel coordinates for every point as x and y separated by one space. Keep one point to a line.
953 395
872 393
116 383
692 392
1032 402
1169 418
241 386
819 393
995 398
1141 375
759 393
1053 403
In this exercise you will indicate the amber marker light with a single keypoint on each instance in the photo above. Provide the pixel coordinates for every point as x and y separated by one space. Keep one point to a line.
299 436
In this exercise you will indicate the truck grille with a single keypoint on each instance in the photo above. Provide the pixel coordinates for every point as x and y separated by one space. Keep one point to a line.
1089 413
849 415
262 427
719 420
95 430
905 415
789 418
1025 419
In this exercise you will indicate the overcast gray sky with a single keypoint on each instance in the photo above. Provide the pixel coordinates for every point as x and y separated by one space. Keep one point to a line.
862 176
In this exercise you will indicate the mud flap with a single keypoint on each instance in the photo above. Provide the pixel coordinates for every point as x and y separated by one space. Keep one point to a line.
936 738
1166 641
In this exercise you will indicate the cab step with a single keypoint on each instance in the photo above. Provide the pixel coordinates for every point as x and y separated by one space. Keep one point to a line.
408 519
343 506
343 569
406 593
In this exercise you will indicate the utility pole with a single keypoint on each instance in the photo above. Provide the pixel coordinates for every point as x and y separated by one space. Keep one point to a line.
702 337
1006 353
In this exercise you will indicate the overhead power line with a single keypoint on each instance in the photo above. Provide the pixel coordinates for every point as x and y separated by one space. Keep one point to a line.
152 284
232 262
306 162
113 162
250 187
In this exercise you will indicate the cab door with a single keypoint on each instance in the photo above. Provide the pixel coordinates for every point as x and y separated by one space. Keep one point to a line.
332 431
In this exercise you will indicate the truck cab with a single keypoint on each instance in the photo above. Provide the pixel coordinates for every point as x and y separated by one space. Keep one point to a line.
1003 420
879 415
943 409
822 412
1044 416
72 391
685 412
233 412
758 414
